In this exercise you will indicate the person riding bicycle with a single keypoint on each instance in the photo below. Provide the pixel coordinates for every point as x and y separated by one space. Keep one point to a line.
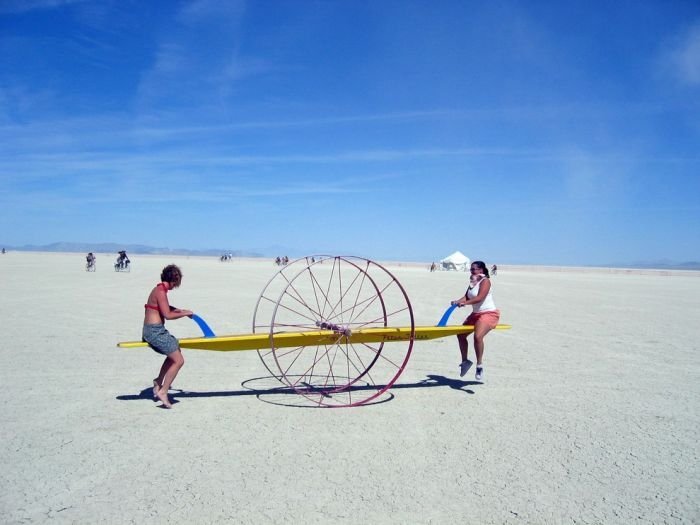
123 260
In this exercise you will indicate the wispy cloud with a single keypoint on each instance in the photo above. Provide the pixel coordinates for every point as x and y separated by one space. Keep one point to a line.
208 10
684 57
115 145
115 128
198 55
22 6
143 185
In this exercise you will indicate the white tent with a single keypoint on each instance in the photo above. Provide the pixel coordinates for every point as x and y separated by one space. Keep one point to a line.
457 261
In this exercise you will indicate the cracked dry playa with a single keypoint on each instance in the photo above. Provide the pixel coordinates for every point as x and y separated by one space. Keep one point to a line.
588 412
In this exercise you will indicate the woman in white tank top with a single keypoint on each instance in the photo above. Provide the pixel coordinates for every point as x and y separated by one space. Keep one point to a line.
484 317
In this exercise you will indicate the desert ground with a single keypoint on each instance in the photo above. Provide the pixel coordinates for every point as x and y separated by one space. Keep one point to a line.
588 413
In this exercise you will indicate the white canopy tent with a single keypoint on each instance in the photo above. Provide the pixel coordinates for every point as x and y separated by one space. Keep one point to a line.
457 261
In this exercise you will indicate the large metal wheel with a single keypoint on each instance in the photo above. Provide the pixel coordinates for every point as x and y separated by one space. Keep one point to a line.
340 295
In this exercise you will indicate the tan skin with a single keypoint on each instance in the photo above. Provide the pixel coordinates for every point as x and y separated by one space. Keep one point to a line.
480 329
174 361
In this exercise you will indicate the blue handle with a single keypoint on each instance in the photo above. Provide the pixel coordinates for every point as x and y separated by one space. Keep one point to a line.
203 326
446 315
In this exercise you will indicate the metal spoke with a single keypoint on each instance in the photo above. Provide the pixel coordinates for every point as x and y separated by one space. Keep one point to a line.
346 296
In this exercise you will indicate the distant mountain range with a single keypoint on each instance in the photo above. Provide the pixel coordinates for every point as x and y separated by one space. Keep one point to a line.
110 247
663 265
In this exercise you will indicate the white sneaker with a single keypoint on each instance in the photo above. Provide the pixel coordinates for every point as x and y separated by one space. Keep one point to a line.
464 367
479 373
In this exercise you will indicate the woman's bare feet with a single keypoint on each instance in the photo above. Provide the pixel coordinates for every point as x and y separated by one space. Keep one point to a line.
156 387
163 396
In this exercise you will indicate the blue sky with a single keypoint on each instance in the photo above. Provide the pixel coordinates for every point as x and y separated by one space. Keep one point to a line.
544 132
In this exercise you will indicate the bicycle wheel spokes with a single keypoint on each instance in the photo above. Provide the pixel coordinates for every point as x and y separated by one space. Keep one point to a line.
267 302
342 295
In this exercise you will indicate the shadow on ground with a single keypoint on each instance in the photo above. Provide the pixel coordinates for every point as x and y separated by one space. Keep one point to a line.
269 390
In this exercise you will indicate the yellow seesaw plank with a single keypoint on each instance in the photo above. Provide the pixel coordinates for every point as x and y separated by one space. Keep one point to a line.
231 343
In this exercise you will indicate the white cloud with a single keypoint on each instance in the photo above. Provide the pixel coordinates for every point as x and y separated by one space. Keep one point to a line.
197 55
208 9
685 57
21 6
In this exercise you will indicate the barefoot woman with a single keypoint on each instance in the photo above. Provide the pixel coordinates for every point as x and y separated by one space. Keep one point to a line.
158 309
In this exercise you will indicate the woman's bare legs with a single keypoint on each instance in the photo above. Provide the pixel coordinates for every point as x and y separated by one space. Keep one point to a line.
466 364
463 345
480 331
158 381
168 372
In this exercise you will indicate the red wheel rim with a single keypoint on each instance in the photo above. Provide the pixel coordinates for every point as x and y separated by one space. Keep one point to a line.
343 294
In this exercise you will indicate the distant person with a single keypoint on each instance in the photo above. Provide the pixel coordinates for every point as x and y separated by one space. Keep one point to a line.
122 260
484 317
90 258
433 267
157 310
494 269
3 251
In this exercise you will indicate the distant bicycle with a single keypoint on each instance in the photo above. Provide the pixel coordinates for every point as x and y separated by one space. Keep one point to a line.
91 262
123 263
122 266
